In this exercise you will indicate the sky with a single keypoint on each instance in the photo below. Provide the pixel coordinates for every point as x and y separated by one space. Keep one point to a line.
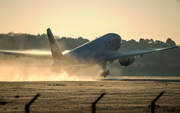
131 19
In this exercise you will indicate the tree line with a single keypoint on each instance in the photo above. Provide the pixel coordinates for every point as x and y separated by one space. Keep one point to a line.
21 41
159 63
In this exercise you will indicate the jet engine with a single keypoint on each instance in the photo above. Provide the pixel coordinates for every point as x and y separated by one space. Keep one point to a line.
126 61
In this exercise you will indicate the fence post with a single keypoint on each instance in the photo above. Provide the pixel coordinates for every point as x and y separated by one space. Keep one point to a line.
94 103
153 102
27 105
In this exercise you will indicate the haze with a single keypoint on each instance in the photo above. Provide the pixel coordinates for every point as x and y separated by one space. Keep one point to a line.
131 19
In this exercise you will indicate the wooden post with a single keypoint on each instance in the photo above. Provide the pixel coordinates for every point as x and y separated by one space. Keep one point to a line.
153 102
94 103
27 105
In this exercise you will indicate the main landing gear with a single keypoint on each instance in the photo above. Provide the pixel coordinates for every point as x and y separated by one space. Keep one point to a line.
104 72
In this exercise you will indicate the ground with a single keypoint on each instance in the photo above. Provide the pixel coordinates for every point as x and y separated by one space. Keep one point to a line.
121 96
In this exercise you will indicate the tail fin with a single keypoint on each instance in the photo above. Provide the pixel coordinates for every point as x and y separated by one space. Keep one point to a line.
56 52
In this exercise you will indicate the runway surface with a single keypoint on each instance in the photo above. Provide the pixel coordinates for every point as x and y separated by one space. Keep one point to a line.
157 80
123 95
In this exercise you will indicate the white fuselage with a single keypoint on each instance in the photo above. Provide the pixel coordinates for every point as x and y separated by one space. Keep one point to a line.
96 50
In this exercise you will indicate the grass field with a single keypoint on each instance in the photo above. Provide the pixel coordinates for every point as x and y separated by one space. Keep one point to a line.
122 96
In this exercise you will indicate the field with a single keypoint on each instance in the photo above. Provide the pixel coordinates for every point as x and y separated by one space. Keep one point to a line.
125 95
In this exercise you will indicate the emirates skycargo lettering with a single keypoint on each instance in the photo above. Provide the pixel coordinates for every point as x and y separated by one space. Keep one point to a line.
112 43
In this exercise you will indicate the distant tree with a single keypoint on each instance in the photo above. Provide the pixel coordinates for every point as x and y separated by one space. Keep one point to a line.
143 43
10 34
151 41
147 41
80 38
170 42
63 38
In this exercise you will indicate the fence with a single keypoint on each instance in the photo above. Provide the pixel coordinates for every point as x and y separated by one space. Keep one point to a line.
27 106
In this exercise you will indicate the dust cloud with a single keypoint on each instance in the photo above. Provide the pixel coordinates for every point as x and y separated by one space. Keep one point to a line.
30 69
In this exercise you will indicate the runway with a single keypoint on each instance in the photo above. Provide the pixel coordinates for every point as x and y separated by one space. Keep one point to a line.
125 95
157 80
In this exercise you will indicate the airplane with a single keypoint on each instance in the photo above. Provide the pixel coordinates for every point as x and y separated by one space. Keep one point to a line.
98 51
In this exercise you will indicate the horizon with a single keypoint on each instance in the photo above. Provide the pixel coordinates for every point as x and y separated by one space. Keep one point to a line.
88 39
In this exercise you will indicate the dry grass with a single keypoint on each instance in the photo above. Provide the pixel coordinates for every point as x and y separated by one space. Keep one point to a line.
77 96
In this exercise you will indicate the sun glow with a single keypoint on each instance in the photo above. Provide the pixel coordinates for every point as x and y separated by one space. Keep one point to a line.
132 19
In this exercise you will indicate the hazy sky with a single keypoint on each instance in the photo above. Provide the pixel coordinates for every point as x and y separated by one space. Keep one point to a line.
131 19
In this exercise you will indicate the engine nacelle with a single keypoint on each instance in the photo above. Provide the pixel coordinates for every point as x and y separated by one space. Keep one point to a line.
126 61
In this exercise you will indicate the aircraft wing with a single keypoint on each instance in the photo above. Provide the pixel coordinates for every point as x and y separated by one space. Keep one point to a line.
29 53
38 54
125 54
